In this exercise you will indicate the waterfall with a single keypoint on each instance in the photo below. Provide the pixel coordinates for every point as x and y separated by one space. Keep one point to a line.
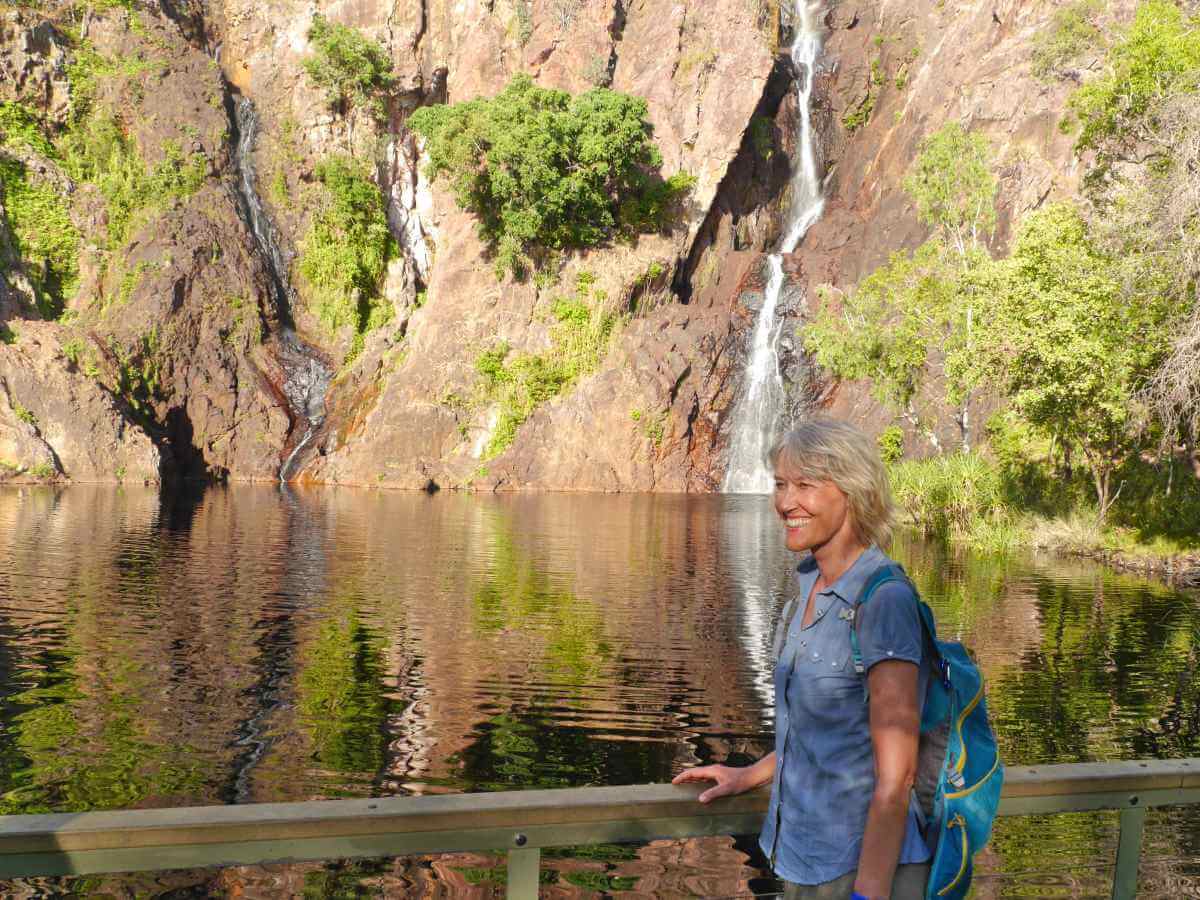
756 415
306 376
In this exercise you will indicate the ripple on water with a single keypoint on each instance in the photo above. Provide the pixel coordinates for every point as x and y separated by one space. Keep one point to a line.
256 644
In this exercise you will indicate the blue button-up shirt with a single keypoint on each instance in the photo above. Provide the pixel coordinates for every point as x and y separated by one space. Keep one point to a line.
824 765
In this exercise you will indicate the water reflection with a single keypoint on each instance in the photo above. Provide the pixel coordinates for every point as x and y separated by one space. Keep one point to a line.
258 644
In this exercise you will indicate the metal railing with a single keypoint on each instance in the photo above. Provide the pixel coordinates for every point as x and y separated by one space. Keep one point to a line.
521 822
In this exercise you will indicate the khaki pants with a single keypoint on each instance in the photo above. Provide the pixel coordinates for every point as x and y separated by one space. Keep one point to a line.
909 884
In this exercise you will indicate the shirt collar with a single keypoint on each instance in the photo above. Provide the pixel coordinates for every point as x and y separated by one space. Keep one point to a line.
849 586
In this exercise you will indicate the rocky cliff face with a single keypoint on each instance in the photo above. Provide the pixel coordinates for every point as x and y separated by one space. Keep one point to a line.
176 335
156 366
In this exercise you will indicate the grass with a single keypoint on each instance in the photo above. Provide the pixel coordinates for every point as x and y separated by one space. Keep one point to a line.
137 374
518 383
101 153
36 214
860 115
762 137
24 414
652 425
43 470
1072 33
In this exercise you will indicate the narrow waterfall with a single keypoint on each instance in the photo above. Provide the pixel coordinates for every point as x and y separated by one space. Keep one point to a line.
306 376
756 416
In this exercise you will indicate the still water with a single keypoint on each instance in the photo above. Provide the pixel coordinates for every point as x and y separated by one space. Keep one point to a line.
258 644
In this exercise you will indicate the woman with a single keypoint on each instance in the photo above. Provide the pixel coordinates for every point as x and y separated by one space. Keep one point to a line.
843 820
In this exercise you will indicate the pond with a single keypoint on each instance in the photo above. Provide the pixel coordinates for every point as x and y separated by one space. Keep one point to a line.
251 644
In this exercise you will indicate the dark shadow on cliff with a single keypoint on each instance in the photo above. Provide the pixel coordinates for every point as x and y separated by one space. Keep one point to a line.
754 184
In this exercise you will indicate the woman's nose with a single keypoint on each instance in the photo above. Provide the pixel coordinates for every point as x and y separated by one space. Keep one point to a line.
787 496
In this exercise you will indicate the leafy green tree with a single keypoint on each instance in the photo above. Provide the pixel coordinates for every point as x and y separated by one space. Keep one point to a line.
1065 343
352 69
952 183
919 307
546 171
1143 112
881 330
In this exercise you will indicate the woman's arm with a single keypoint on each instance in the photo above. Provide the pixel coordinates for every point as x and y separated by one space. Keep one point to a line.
895 721
729 779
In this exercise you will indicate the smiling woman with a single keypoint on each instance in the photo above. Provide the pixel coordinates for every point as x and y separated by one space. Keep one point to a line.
844 819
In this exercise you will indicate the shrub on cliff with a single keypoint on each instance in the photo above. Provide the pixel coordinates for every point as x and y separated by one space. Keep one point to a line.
545 171
518 383
1157 59
346 249
351 68
35 214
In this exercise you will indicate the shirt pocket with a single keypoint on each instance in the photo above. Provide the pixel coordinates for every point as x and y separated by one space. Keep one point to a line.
826 672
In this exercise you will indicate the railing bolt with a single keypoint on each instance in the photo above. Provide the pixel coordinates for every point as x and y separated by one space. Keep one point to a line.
1133 801
520 840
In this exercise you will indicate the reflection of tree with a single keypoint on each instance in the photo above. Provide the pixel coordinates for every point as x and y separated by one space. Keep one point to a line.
519 749
1082 664
341 695
515 595
85 738
1109 665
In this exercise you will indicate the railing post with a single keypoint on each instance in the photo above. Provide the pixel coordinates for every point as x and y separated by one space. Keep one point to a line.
1129 852
523 868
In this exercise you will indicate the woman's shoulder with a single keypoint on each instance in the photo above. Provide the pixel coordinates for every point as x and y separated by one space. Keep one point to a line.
895 599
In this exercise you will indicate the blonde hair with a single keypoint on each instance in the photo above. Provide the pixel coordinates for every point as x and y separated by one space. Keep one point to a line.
826 449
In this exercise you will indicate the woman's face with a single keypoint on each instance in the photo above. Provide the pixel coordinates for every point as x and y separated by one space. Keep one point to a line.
813 512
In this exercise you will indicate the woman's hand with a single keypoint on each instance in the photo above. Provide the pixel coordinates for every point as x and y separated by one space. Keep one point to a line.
729 779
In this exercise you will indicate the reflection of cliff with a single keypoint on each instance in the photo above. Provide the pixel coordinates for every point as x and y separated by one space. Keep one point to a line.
143 641
593 628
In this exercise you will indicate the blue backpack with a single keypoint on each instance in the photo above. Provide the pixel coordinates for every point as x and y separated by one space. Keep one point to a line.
959 773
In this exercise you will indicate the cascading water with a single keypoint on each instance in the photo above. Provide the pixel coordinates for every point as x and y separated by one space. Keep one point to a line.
756 416
306 376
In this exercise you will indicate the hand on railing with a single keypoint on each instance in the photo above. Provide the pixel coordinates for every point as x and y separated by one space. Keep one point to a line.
729 779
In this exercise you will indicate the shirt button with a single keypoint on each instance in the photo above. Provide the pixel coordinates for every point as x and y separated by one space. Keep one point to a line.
890 653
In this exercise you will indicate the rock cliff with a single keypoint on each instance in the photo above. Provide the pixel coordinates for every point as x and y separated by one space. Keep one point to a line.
175 340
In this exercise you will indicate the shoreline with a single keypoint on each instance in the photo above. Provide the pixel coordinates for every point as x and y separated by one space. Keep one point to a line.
1177 570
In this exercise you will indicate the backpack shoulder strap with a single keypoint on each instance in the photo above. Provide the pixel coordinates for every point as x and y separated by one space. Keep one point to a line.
880 577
